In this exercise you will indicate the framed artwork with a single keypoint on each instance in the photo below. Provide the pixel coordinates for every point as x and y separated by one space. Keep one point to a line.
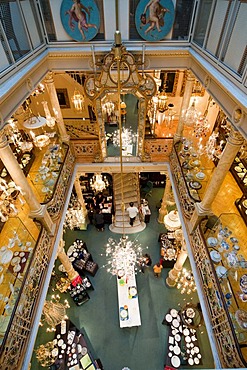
80 19
62 95
169 82
154 18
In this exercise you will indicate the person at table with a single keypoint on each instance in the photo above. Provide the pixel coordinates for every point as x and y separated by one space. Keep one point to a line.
99 220
90 212
133 212
145 262
157 269
99 200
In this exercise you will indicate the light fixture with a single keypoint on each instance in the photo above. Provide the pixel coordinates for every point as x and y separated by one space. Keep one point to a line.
190 115
14 136
108 108
9 193
54 312
212 149
78 99
185 282
99 183
128 137
75 215
40 141
162 102
123 256
50 121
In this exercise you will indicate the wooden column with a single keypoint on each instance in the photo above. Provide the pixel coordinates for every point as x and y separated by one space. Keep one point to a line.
64 259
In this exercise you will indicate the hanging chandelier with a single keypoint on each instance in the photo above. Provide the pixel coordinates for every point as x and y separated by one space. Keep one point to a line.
75 215
9 192
123 256
99 183
14 136
162 102
185 282
78 99
190 115
108 108
128 137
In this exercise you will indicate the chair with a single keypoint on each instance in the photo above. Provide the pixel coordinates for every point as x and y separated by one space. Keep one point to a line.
147 189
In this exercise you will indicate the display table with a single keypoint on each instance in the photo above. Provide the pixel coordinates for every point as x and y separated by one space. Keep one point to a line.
172 221
129 313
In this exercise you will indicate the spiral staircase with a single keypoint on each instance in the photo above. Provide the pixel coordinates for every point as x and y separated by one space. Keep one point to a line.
131 193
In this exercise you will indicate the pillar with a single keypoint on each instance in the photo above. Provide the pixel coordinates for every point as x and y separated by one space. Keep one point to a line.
163 208
190 79
173 274
79 195
50 86
38 211
64 259
202 209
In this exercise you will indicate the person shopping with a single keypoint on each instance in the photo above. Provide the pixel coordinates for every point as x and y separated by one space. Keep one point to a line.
157 269
133 212
99 220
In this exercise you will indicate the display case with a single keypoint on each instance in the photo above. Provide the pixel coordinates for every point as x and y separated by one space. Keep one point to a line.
169 249
81 259
239 172
71 349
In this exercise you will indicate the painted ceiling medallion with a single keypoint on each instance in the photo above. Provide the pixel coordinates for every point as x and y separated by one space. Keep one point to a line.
154 19
80 19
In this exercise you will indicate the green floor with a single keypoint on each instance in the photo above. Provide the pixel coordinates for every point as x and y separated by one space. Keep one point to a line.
139 348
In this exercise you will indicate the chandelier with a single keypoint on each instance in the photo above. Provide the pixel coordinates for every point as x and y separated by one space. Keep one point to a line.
123 256
40 141
186 282
99 183
75 215
14 136
50 121
212 149
78 99
9 193
108 108
190 115
162 102
128 137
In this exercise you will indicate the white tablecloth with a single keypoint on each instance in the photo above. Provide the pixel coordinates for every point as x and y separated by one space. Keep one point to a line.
172 221
124 299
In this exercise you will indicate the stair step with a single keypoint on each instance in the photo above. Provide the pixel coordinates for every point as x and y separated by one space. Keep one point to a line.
127 230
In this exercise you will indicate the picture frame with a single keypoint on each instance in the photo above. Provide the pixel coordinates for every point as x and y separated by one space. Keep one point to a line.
169 82
63 99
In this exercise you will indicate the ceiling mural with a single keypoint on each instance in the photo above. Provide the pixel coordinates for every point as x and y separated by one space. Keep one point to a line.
154 19
80 19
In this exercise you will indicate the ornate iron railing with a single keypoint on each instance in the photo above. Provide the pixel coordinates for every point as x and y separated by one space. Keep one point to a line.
188 204
86 151
55 205
16 340
227 344
81 129
157 150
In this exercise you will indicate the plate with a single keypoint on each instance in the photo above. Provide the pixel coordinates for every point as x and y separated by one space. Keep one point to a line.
171 348
191 361
215 256
236 247
133 291
243 283
176 350
175 323
17 268
245 203
195 185
225 245
221 271
54 352
124 314
187 339
168 318
200 176
6 257
186 332
15 261
177 337
234 240
212 242
171 340
60 342
238 169
196 360
175 361
174 312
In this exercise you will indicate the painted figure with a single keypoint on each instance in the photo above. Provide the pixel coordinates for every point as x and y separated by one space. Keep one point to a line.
156 15
79 12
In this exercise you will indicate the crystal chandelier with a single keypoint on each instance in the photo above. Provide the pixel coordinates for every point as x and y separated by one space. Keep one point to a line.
7 200
123 256
50 121
40 141
128 137
201 126
186 282
75 215
78 99
99 183
162 102
14 136
211 148
190 115
108 108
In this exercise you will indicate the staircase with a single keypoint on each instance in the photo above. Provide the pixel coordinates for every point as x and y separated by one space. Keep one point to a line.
131 193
